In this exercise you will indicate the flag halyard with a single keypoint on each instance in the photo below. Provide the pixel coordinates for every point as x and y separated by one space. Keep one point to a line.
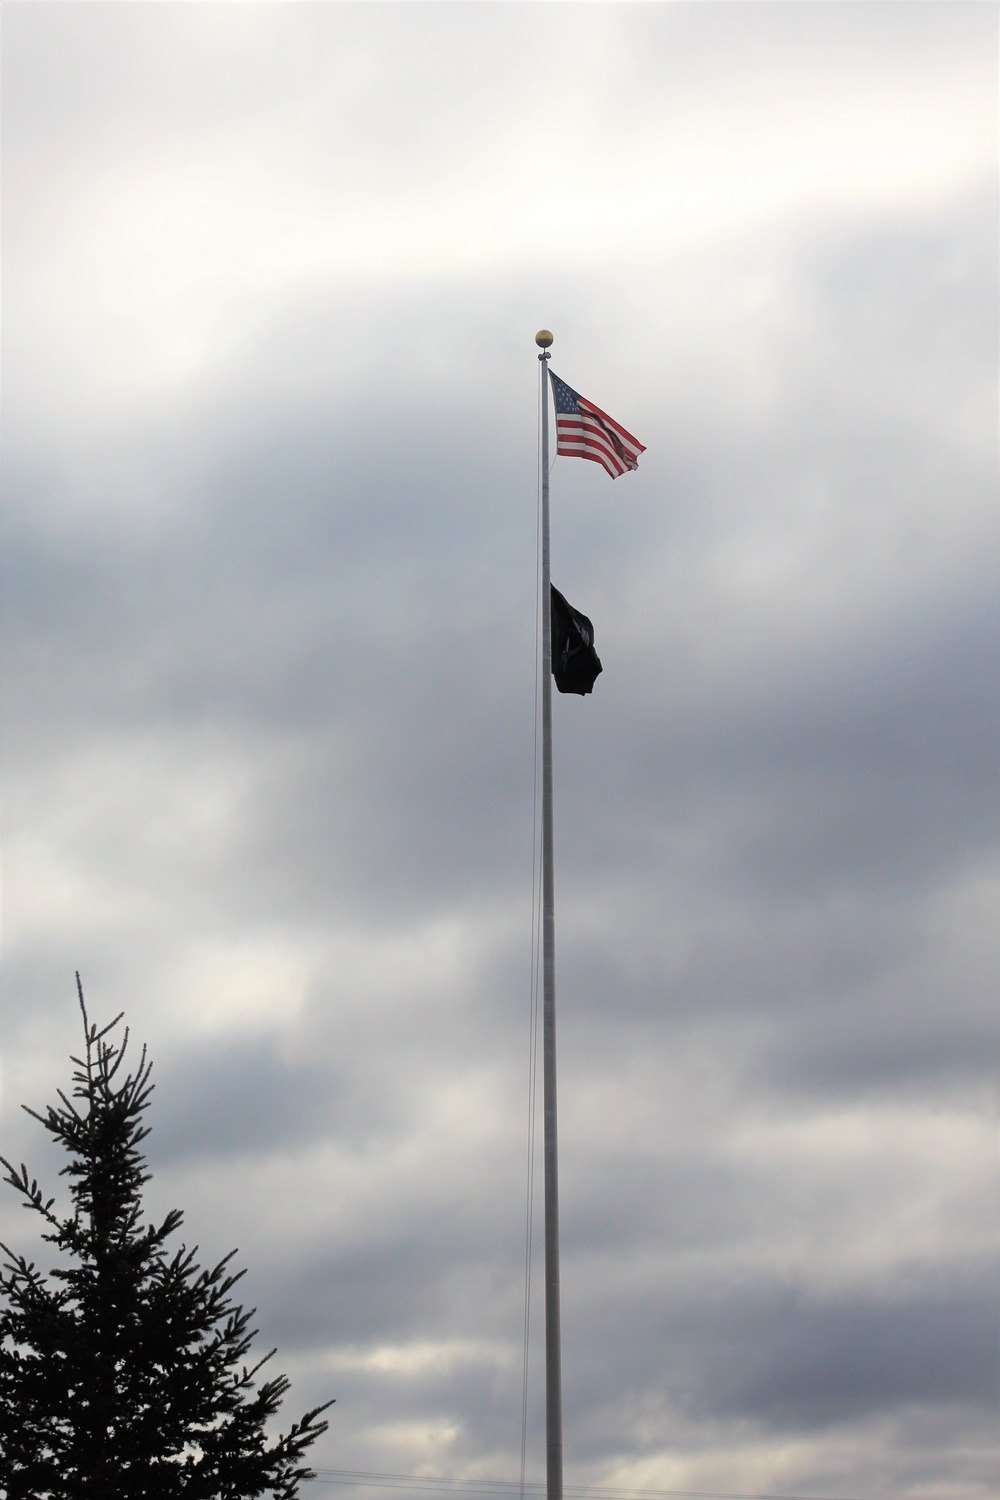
584 431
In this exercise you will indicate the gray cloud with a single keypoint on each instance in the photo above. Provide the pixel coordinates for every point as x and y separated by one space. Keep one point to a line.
268 635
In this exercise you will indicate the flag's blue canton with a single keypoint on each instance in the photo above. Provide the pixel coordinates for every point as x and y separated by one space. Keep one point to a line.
567 400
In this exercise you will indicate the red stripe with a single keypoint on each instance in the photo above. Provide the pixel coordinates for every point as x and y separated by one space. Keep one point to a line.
592 450
575 434
589 424
583 446
588 430
626 437
609 467
582 449
613 435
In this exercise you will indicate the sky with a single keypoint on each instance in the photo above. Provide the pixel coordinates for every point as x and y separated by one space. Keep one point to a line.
272 275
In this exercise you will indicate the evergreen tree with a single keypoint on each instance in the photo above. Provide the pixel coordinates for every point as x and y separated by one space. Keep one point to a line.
123 1374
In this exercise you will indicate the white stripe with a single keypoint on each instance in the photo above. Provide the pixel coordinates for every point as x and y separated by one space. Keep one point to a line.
593 437
627 439
611 462
602 416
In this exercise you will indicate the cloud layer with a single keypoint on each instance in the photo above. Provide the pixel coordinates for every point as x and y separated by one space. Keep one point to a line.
272 275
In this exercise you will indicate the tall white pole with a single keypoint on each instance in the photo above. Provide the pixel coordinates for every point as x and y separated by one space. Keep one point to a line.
553 1352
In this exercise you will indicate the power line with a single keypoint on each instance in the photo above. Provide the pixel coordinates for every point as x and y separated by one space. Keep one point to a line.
451 1486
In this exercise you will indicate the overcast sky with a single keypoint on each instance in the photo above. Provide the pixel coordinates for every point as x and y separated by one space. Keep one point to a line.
272 276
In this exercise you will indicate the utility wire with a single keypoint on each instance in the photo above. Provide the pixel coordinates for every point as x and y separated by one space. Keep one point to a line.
448 1485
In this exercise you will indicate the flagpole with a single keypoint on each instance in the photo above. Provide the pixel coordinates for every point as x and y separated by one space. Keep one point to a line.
553 1352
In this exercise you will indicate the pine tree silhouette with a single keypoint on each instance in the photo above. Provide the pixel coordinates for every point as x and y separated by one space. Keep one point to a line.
123 1374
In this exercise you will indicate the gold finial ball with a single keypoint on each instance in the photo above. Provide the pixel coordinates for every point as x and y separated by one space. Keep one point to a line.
543 338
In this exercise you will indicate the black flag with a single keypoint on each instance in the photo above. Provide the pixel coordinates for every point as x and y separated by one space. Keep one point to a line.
575 663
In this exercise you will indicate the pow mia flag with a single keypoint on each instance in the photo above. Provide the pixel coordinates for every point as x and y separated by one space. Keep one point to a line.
575 663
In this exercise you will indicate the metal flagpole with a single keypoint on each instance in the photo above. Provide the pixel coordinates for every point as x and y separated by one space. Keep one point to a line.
553 1353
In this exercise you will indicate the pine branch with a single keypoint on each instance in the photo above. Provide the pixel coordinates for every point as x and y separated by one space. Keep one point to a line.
29 1190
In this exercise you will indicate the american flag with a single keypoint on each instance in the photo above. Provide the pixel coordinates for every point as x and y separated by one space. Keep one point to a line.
584 431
